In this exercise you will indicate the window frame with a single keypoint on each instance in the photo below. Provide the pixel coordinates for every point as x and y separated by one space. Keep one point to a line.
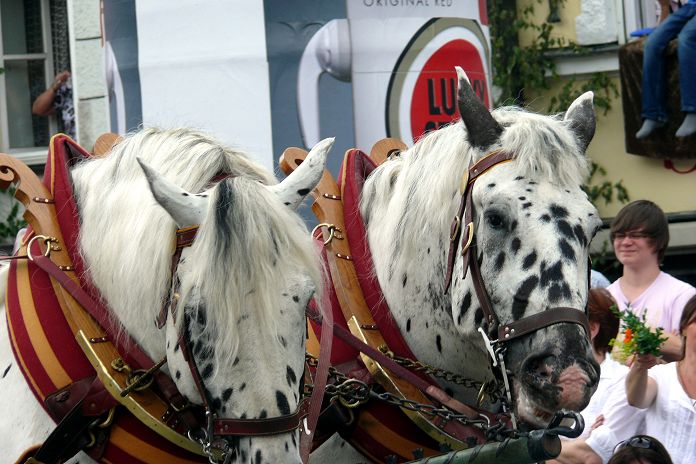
30 155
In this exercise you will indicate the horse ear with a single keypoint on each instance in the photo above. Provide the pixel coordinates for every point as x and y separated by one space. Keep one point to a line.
581 119
482 129
294 188
185 208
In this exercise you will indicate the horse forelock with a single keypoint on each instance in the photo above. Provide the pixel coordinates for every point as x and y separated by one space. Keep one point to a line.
125 237
249 250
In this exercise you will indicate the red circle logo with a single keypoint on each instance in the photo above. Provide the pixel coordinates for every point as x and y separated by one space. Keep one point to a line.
434 99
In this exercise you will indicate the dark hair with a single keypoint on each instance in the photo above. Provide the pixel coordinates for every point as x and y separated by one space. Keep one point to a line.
688 316
599 301
647 217
640 447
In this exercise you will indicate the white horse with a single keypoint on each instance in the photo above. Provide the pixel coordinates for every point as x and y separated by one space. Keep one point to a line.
532 224
243 284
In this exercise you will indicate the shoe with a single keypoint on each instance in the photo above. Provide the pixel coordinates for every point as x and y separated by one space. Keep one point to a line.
648 127
687 127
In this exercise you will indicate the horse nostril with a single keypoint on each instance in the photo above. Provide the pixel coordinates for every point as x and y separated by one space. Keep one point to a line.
542 367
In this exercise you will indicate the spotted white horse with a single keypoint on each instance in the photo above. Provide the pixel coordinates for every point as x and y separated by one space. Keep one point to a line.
244 283
532 226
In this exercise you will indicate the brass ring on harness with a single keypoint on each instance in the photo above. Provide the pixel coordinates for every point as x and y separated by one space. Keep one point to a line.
331 228
47 242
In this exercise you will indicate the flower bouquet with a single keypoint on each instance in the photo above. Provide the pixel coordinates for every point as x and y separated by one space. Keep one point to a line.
638 337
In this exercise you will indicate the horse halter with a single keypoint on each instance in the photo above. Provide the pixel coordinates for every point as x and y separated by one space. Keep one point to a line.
508 331
212 436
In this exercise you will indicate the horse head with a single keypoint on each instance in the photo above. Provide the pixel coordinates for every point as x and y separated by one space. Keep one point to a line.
235 332
528 236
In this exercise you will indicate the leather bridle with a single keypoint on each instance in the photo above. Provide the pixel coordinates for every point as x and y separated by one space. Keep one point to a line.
498 334
212 437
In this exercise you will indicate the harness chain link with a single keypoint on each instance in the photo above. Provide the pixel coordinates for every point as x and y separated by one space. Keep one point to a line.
491 389
352 393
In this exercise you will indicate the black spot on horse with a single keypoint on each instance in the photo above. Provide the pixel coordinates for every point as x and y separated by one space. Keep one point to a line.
408 325
438 343
257 458
545 218
522 198
580 234
565 229
519 178
529 260
176 347
521 298
290 376
491 185
7 369
478 316
242 386
558 291
526 205
216 404
283 341
500 261
566 250
403 280
185 194
515 245
286 447
236 361
558 211
551 274
282 403
303 192
207 371
177 374
263 414
513 226
466 304
296 298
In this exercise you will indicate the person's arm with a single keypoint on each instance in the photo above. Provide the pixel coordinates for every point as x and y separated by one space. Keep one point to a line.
43 105
664 10
576 452
672 348
641 390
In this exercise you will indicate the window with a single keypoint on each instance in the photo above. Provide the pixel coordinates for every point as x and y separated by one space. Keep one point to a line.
26 57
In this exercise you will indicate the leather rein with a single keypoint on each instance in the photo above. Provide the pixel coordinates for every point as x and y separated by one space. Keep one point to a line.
498 334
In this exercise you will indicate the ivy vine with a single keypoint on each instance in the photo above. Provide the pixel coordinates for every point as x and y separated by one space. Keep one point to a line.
519 71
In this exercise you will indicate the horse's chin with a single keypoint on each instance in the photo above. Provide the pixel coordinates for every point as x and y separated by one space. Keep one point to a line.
530 411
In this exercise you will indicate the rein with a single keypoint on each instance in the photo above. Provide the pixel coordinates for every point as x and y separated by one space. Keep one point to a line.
508 331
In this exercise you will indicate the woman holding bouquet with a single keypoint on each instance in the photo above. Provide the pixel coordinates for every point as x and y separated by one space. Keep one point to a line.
668 393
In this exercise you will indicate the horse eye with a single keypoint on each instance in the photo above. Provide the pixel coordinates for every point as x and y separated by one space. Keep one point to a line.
495 220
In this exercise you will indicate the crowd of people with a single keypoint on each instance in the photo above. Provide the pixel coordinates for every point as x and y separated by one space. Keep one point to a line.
644 409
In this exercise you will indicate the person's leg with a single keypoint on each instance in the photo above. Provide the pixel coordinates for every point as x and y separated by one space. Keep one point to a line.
653 87
687 77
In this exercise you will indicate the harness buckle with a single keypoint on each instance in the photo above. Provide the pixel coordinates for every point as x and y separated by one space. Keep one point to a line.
489 347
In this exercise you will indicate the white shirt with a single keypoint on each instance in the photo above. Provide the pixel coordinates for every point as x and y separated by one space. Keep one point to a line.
672 416
611 377
621 421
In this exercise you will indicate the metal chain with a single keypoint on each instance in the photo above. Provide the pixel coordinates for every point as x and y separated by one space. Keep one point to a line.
352 393
492 389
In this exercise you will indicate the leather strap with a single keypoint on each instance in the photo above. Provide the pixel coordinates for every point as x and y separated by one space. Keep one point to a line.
465 212
268 426
543 319
70 435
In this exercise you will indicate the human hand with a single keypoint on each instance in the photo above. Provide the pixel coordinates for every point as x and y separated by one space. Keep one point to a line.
645 361
60 79
598 422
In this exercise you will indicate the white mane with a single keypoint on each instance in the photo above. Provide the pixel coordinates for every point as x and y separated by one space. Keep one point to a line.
126 238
